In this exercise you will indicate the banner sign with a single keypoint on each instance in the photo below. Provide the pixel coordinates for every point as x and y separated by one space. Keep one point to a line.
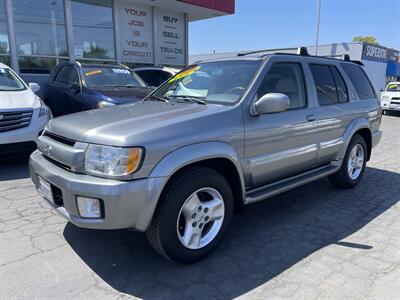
136 32
171 39
378 53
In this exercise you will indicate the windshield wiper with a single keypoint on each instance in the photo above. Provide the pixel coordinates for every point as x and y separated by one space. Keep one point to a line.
189 98
157 98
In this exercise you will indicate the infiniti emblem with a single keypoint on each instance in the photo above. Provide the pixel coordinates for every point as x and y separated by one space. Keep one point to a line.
47 150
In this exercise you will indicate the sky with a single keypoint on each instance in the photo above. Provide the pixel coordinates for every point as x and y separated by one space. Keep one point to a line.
263 24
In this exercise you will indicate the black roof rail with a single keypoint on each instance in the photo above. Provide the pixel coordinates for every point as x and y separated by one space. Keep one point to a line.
300 51
358 62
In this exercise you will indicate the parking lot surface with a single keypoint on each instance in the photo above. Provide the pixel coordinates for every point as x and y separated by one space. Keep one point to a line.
314 242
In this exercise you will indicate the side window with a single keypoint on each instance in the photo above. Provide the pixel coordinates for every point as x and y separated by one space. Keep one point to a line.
360 81
64 75
341 87
288 79
325 84
152 77
74 76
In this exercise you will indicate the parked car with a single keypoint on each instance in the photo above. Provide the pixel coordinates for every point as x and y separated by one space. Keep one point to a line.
22 114
180 163
390 97
155 76
74 87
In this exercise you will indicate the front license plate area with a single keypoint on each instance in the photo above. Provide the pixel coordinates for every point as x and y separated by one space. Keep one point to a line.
45 189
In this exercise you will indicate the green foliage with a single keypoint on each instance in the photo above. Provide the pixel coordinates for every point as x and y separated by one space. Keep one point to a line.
366 39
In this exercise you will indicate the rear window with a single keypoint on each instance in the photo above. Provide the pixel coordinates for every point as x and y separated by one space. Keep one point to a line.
360 81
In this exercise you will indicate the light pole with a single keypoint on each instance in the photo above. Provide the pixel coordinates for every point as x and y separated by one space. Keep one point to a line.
318 18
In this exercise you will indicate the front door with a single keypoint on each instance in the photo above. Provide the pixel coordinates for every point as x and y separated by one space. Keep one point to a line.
279 145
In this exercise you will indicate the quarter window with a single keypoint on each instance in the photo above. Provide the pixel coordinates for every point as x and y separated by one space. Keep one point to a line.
360 81
285 78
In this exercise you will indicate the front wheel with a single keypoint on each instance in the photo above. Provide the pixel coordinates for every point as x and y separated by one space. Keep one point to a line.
353 166
195 211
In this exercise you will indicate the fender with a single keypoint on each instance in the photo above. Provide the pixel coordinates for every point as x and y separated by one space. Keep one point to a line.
187 155
351 129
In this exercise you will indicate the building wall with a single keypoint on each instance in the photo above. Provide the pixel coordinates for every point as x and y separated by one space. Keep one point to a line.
376 72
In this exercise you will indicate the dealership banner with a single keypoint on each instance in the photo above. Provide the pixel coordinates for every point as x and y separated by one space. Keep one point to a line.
136 32
140 42
171 37
378 53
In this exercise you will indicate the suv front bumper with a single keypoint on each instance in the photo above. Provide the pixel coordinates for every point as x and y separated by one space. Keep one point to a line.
126 204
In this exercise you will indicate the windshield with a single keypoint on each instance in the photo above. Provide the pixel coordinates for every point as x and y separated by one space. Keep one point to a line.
9 81
393 87
221 82
109 76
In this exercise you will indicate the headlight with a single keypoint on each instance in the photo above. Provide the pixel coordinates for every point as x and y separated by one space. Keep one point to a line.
385 98
112 161
44 110
104 104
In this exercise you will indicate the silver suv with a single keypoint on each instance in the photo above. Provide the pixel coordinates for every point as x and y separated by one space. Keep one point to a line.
215 137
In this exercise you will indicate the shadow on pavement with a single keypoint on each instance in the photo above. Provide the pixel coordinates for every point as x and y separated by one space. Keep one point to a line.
12 168
272 236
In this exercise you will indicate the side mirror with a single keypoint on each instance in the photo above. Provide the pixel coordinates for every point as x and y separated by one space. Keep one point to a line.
270 103
75 87
382 90
34 87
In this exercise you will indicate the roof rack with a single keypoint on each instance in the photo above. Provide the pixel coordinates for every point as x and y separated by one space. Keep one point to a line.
299 51
345 57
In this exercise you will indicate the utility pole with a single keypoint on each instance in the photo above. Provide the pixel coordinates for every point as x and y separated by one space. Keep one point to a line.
318 18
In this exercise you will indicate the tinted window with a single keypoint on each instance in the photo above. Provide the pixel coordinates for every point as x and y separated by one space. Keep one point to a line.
285 78
341 87
325 84
154 77
64 76
360 81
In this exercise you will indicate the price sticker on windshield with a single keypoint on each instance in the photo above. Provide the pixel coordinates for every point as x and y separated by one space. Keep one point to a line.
93 72
184 74
121 71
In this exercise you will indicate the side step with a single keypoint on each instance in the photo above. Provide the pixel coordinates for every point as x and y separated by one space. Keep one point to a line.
272 189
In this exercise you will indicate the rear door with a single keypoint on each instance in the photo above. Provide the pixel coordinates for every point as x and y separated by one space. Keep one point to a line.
334 111
60 101
279 145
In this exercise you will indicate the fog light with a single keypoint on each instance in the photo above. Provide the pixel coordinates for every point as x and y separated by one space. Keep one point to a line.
89 207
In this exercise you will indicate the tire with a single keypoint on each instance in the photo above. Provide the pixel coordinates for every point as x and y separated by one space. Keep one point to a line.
343 178
176 212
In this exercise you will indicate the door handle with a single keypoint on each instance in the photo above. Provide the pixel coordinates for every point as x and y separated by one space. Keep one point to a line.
310 118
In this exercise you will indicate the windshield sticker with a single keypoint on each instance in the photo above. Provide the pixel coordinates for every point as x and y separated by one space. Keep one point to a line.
93 72
184 74
392 86
121 71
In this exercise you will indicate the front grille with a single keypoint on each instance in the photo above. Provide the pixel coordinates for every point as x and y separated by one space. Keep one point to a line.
12 120
59 139
396 98
61 165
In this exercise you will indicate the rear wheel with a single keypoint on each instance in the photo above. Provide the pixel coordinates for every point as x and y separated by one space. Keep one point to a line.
194 213
353 165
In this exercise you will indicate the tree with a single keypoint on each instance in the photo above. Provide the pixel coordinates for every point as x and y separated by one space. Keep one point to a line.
366 39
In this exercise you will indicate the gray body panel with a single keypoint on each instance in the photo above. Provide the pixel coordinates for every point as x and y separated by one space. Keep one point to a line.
271 153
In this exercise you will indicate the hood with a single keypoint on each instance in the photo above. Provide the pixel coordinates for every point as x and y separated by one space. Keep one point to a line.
125 124
16 100
391 94
121 95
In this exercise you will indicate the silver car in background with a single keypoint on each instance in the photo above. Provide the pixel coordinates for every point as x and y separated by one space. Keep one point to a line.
215 137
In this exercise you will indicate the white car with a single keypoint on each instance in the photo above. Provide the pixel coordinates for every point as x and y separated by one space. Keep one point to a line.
390 97
23 115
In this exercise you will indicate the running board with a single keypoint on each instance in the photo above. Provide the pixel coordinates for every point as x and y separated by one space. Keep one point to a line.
272 189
